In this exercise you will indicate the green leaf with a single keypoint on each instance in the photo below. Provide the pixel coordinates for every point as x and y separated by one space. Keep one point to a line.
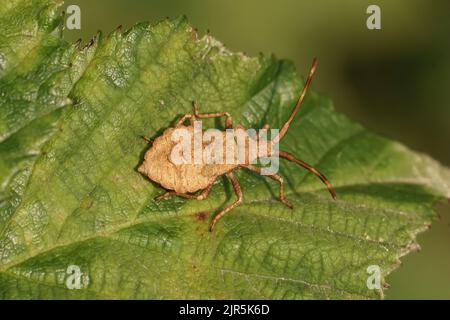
71 123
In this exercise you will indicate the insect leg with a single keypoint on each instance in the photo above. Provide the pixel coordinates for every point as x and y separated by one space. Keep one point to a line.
303 164
184 118
228 117
148 140
239 195
275 177
205 192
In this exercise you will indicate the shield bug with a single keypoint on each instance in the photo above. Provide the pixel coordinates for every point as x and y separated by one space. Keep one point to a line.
193 179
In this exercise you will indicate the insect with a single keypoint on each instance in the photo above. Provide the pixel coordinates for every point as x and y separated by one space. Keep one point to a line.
195 181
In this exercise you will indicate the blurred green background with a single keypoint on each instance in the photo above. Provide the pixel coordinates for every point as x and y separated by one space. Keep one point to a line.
396 81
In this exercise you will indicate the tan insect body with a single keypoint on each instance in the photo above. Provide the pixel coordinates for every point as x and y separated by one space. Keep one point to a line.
191 176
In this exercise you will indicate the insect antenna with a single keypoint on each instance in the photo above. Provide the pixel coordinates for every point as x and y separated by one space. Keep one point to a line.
285 128
311 169
286 125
